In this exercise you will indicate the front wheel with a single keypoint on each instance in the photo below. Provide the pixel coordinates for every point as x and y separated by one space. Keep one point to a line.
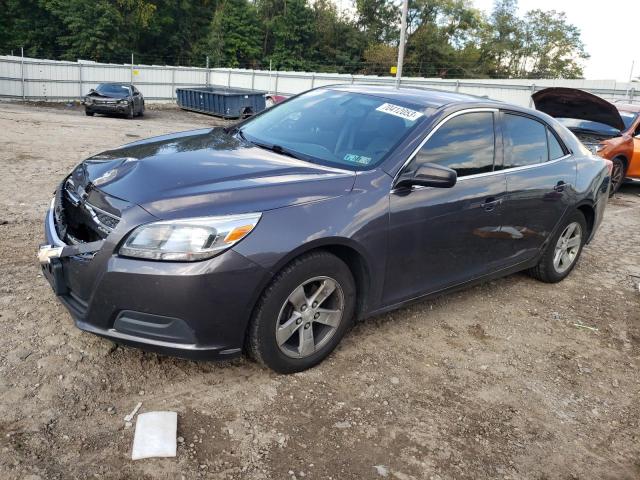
303 314
563 251
88 113
130 112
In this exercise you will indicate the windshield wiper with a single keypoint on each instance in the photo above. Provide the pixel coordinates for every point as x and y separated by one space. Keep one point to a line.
275 148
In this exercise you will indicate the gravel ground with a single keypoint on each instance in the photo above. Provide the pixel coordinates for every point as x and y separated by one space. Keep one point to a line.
499 381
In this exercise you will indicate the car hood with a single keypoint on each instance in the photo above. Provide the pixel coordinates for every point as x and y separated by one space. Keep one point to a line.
208 172
561 102
96 94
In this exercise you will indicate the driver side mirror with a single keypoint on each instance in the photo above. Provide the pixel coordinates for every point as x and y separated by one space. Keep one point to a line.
428 175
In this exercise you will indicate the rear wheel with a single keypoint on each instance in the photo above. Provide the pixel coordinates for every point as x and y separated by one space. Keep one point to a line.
563 251
303 314
617 175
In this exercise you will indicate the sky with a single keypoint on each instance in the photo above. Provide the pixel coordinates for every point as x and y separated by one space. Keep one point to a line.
610 31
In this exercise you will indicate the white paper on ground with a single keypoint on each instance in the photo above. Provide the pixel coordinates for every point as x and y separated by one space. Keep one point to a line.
155 435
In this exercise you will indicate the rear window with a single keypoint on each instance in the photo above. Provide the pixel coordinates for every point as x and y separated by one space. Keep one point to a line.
525 141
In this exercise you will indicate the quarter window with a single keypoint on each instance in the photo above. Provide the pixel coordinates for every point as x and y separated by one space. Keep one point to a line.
555 149
525 141
465 143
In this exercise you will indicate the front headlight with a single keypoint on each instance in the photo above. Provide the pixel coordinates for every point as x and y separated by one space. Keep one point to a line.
88 100
189 239
123 102
595 148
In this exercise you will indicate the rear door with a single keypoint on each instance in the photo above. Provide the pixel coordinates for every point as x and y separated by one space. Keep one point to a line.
440 237
541 178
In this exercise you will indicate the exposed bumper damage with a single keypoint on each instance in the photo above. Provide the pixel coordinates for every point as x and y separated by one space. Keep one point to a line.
159 306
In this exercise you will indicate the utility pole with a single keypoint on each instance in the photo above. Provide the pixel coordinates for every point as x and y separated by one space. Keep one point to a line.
131 69
207 70
22 71
631 72
403 35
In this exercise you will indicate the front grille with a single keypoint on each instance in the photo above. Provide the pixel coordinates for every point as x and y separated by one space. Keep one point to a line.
77 218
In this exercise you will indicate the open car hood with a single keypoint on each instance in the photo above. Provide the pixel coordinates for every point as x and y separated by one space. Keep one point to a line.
561 102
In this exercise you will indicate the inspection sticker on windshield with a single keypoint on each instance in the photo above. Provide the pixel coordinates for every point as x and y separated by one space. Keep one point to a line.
399 111
353 158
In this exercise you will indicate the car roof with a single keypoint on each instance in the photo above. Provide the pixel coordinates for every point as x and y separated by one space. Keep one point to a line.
425 97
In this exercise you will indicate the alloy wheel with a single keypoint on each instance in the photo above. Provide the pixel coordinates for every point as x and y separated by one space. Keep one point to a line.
309 317
567 247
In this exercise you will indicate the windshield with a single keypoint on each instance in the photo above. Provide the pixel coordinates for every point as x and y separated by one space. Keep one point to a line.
113 89
628 118
344 129
589 126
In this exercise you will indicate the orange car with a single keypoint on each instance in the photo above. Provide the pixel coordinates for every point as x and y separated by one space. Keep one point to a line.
609 130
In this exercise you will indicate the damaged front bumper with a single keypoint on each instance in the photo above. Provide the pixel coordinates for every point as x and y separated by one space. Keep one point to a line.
190 310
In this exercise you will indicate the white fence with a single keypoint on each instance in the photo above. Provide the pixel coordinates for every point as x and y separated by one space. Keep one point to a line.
50 80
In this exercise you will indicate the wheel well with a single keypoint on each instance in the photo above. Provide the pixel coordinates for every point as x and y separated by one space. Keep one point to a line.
589 216
358 266
624 161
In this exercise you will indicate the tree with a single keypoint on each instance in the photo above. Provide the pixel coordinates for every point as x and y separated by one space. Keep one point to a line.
552 47
443 38
379 20
235 34
502 40
337 43
379 58
101 30
446 38
292 32
540 45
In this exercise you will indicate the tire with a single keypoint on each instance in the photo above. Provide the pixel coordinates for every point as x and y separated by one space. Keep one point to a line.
617 175
141 113
130 112
289 350
549 269
88 113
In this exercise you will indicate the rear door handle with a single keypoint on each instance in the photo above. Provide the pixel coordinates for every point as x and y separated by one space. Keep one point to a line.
490 203
560 186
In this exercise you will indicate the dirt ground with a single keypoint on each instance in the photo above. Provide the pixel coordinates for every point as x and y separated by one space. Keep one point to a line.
499 381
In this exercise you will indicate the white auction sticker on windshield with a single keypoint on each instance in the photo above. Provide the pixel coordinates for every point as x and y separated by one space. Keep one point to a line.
399 111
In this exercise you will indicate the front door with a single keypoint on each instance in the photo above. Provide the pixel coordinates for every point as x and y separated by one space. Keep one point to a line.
440 237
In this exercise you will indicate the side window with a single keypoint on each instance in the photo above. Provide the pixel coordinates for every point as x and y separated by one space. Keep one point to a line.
525 141
555 149
465 143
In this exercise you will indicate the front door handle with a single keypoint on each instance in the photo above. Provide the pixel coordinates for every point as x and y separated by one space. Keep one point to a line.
490 203
560 186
